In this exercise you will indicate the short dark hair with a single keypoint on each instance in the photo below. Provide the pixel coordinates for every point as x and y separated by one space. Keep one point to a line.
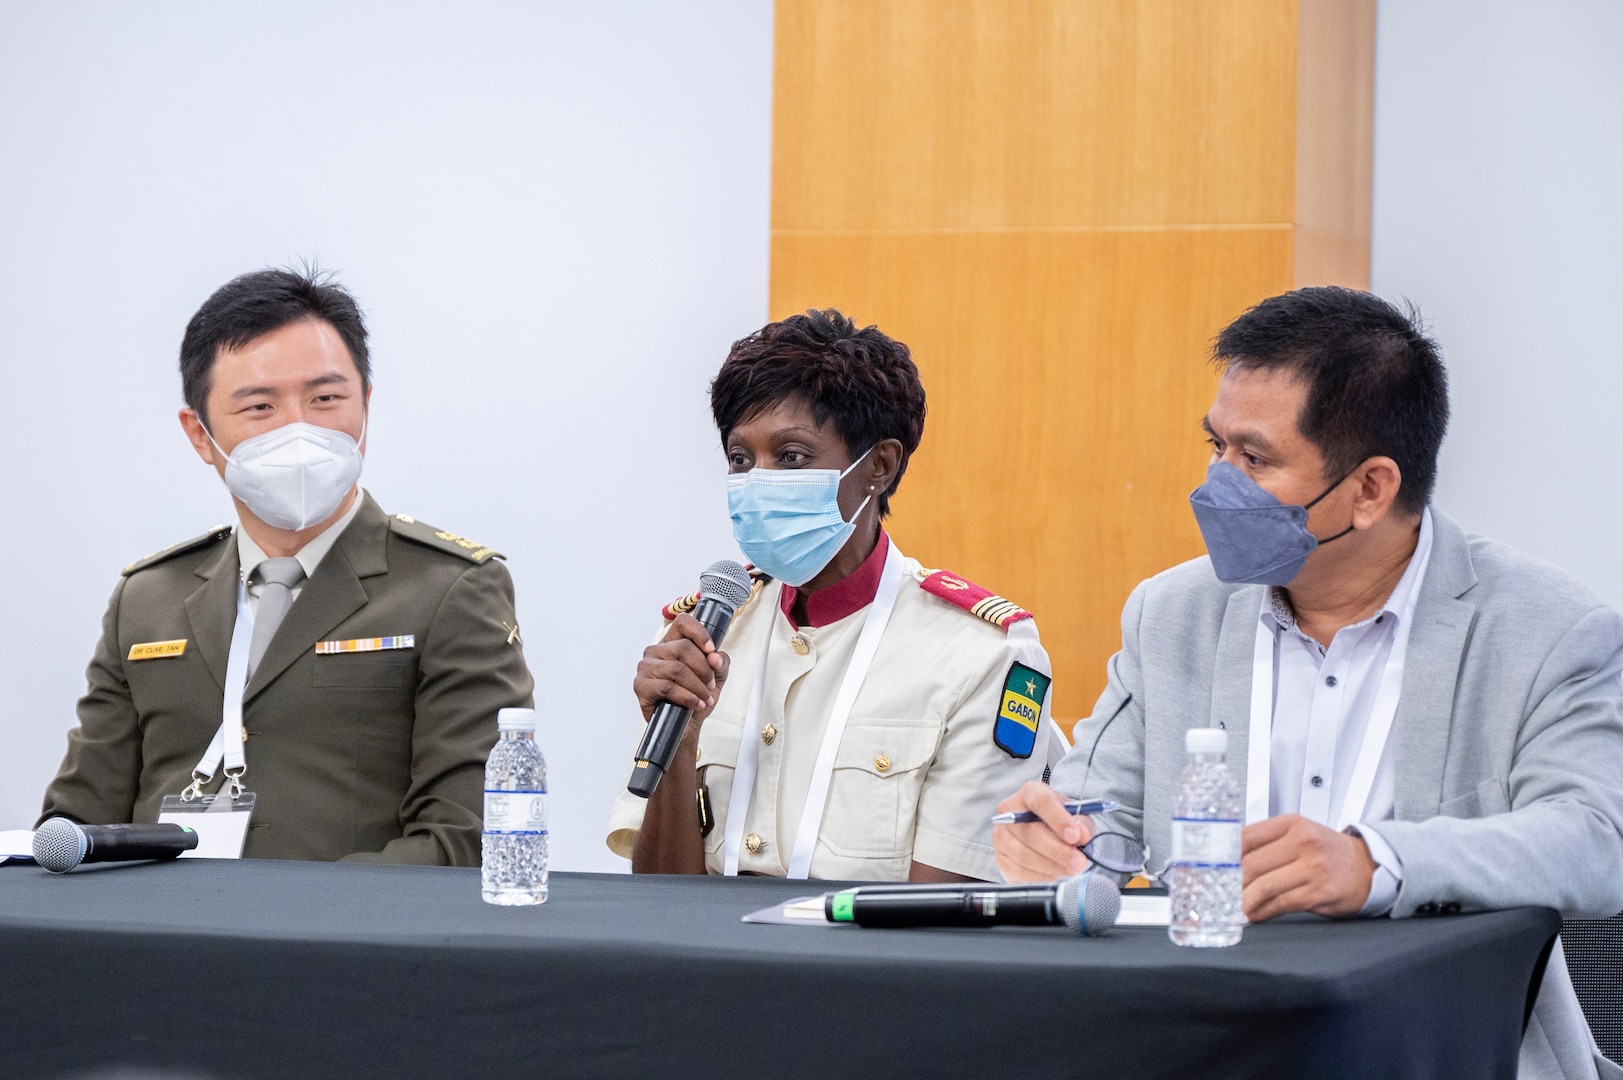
255 304
862 380
1376 384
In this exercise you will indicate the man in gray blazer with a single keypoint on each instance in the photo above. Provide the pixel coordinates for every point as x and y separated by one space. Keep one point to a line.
1442 715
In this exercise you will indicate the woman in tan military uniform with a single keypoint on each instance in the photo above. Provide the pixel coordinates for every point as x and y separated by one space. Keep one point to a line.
867 714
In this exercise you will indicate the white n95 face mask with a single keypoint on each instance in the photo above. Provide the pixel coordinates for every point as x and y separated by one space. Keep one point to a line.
295 476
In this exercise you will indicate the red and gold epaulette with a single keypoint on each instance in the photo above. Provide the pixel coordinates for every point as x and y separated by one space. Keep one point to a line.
972 598
684 604
680 606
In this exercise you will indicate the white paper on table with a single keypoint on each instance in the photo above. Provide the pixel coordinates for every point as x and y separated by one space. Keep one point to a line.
801 911
16 844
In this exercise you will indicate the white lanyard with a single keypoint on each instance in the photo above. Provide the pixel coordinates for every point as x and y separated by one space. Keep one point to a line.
227 742
811 818
1259 749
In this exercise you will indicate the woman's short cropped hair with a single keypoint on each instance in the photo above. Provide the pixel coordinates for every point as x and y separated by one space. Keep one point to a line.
861 381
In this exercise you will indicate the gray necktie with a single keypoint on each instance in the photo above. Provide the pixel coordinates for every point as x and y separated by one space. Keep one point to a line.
278 577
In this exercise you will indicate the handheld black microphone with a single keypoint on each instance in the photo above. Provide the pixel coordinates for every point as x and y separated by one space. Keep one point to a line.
1088 904
60 845
723 588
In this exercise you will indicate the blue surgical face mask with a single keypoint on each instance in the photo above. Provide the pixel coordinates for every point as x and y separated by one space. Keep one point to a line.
1252 537
788 521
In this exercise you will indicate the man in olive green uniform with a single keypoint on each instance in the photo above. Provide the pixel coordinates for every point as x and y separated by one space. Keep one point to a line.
373 652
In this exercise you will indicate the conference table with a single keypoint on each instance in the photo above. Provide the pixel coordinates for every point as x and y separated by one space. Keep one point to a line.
252 969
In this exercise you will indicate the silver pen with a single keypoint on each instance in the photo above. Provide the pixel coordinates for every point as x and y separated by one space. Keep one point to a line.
1073 808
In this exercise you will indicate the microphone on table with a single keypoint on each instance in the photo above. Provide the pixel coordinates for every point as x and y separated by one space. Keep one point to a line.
1088 904
723 588
60 845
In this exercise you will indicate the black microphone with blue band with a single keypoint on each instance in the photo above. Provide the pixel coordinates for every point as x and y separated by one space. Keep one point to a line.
1088 904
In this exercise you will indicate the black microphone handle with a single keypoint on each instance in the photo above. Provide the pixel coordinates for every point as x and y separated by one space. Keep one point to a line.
958 905
665 727
127 843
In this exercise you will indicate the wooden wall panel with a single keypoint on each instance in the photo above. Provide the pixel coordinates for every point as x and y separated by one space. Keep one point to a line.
1335 142
1056 204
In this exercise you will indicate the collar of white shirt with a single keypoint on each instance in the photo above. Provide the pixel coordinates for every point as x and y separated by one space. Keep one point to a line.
250 554
1398 610
1277 614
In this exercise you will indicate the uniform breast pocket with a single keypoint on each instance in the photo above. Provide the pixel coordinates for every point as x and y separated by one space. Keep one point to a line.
718 759
361 672
873 798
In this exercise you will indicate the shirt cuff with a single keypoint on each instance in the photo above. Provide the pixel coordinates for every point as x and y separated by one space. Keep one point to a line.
1383 887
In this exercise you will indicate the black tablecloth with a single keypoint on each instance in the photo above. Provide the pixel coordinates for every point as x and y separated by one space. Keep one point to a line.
259 970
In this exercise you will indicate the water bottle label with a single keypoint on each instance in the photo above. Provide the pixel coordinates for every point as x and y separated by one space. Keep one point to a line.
1205 843
516 811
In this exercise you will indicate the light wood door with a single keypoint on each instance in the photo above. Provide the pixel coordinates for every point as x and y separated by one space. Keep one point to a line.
1057 204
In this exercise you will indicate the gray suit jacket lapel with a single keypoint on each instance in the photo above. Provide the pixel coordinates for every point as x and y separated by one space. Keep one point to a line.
1442 626
1231 688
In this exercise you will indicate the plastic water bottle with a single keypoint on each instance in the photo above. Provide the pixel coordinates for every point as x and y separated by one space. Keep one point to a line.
1203 875
514 852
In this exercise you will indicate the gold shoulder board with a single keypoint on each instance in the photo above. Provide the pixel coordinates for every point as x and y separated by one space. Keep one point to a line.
219 532
410 528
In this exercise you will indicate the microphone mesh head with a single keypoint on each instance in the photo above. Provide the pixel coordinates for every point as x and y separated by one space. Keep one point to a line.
1089 904
59 845
725 581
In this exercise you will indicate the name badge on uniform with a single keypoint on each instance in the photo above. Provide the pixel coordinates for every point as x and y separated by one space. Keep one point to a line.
1020 713
156 650
220 822
370 644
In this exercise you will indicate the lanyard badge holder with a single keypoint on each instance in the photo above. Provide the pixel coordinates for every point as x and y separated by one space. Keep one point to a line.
811 817
221 820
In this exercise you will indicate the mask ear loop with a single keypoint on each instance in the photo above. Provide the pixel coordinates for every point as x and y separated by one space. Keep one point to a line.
1327 491
210 435
869 499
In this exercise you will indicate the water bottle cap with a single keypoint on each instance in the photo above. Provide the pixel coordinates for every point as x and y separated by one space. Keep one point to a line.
515 720
1206 740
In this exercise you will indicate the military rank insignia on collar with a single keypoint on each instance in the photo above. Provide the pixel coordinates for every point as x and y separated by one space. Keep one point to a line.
1020 713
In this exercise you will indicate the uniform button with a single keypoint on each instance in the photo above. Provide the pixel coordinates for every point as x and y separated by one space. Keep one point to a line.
801 645
769 733
753 844
1451 908
882 763
1317 781
1330 680
1428 908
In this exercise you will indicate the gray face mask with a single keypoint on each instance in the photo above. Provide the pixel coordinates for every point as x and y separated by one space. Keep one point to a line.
1252 537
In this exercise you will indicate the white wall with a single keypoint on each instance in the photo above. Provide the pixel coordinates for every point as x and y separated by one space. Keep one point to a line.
1499 210
556 217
